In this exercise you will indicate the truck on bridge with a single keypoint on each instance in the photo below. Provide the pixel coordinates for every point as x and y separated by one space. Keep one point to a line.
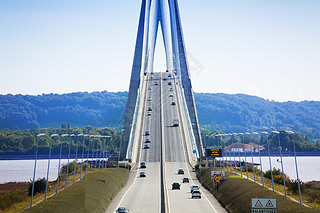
175 122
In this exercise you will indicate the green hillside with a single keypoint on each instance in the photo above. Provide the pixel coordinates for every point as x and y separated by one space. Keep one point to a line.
229 113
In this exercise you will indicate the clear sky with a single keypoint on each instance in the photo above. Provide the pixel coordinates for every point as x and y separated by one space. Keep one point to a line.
267 48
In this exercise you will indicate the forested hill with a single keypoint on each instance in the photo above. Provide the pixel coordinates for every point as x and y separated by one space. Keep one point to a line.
239 113
99 109
230 113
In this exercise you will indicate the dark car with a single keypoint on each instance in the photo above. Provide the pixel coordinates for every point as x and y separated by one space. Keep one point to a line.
147 132
146 146
180 172
122 210
185 180
173 103
175 186
143 165
143 174
169 83
148 140
149 109
169 75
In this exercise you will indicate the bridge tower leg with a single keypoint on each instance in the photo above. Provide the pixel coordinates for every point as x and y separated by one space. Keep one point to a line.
134 83
165 12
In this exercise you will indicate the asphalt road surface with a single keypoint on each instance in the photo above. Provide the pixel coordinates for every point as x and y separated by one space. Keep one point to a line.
143 194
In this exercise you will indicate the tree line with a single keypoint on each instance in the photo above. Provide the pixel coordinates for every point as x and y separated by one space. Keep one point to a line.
228 113
17 142
302 142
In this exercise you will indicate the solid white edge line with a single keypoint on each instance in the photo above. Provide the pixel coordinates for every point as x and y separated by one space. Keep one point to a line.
202 192
138 169
186 163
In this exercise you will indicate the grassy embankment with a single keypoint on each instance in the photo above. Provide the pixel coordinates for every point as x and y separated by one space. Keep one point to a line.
95 193
91 195
235 193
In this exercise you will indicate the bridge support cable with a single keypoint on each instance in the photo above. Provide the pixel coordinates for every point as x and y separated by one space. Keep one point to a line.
184 78
166 14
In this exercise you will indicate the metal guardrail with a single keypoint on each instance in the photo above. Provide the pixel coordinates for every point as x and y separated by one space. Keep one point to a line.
134 121
189 124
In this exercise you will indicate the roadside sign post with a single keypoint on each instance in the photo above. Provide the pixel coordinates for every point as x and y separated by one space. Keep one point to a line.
221 173
263 205
217 176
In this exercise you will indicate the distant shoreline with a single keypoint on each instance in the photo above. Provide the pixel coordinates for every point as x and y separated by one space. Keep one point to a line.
73 156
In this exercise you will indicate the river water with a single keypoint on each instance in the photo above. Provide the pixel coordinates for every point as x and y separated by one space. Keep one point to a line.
308 167
22 170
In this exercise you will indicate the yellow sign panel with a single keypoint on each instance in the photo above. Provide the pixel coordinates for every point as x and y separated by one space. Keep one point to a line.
214 152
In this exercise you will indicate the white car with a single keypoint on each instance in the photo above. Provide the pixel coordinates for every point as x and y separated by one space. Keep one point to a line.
196 193
194 188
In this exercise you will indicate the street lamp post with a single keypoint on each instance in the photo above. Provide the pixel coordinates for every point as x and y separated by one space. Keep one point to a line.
64 135
72 135
101 149
214 158
106 154
280 150
245 154
75 161
234 153
271 171
95 164
81 135
226 143
295 160
255 133
88 152
254 173
45 195
229 134
92 143
241 134
225 135
35 166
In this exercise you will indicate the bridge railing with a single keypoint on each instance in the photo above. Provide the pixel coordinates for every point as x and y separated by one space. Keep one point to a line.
193 145
133 130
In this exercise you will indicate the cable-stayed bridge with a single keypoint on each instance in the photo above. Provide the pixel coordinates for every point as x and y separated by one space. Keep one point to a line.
161 127
157 14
